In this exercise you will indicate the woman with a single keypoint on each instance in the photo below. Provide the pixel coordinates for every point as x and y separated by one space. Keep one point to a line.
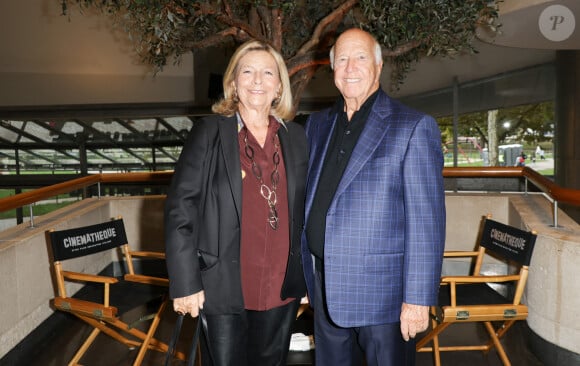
234 215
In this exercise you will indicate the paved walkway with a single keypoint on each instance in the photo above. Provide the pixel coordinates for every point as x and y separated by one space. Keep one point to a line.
7 223
541 164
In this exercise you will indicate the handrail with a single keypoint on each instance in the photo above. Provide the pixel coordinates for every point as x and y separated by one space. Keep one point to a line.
554 191
39 194
551 189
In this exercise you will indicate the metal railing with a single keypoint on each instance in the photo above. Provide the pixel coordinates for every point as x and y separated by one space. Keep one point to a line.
550 189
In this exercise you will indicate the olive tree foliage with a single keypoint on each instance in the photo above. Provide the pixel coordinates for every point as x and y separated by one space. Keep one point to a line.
302 30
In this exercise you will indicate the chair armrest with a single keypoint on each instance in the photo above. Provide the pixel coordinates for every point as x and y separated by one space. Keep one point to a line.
478 279
478 313
459 254
148 254
150 280
88 277
87 308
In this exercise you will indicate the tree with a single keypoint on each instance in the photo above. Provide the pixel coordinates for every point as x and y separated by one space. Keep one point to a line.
529 124
302 30
492 146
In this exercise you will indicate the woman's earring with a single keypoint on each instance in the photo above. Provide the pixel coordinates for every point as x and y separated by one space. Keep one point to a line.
235 96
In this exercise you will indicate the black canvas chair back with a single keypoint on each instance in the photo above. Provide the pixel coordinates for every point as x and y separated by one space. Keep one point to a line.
91 239
508 242
473 298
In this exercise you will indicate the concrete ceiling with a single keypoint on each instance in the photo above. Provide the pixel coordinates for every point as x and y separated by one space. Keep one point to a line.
538 24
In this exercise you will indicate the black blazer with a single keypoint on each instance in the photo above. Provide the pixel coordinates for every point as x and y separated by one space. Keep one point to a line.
203 214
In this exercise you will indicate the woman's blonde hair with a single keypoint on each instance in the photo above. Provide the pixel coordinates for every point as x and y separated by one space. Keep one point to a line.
228 105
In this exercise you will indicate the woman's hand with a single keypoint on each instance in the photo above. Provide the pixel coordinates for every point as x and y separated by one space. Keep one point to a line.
190 304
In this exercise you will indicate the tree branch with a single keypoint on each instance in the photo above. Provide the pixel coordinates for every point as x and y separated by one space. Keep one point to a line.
402 49
240 25
277 29
299 82
229 20
221 37
228 8
304 61
338 13
265 21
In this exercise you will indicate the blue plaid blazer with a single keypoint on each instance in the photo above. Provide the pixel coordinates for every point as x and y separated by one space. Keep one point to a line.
385 228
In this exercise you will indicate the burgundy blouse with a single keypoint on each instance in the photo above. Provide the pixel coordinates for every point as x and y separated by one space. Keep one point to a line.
263 250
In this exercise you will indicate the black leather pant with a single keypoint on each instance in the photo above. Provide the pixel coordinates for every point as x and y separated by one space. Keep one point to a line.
252 338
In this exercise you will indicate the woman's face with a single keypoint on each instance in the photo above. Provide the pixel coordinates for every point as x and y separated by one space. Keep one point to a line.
257 81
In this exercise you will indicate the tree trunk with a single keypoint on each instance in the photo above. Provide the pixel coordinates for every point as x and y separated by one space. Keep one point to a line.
492 137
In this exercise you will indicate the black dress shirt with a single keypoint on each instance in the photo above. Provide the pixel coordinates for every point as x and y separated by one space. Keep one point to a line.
342 143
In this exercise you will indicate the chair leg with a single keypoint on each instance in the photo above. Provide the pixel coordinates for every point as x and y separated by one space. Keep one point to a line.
499 348
150 333
84 347
110 332
107 328
501 331
154 344
435 332
436 351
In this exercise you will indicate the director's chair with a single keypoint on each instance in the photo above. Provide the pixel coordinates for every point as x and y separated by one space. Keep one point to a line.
471 298
71 244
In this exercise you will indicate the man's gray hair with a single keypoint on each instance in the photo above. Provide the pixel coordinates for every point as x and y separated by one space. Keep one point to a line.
378 54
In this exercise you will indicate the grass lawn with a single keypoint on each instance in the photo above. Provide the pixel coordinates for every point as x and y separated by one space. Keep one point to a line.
549 172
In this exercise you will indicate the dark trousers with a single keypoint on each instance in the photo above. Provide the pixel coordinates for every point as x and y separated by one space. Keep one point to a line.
380 345
252 338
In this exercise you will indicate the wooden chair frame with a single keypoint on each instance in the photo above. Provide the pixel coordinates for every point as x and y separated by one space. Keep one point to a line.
506 313
103 316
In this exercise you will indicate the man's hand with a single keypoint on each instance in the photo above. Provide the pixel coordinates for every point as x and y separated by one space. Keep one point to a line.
414 319
189 304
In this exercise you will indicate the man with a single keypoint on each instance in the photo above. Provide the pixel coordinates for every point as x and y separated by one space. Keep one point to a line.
375 215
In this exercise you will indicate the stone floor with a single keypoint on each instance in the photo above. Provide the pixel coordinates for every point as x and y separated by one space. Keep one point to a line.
56 346
55 341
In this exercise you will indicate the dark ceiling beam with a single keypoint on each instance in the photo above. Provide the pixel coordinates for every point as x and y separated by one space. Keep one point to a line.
170 128
41 157
13 157
42 144
54 138
102 111
72 140
115 143
144 136
7 144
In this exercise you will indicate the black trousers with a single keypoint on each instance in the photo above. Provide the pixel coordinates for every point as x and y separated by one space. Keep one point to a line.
251 338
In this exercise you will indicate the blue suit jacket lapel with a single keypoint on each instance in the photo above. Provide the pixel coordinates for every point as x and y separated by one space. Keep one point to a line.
322 130
375 129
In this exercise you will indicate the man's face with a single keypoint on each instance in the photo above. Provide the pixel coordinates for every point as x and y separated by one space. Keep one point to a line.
356 73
